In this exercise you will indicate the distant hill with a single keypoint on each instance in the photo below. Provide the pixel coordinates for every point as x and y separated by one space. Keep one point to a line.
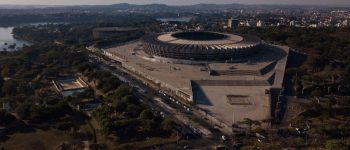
147 8
25 6
126 6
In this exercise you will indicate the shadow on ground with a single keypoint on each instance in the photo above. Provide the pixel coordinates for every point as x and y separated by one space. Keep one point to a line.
199 95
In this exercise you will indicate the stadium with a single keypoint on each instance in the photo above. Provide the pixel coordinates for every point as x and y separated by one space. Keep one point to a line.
201 45
230 77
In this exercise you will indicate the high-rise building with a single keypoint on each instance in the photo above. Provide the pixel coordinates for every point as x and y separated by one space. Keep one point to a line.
247 23
292 23
232 23
229 23
259 24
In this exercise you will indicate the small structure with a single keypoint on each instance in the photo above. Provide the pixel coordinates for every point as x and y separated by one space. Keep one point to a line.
69 87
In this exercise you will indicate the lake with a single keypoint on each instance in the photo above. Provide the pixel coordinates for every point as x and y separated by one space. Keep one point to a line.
7 40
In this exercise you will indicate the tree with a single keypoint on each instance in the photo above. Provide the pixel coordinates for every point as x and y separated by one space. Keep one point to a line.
102 116
119 105
122 91
65 126
10 88
250 123
23 110
330 104
133 110
107 125
1 81
267 121
6 72
146 115
148 125
317 92
6 118
167 124
127 127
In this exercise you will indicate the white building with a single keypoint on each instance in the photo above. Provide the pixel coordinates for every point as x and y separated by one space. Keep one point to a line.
259 24
229 23
247 24
292 23
313 25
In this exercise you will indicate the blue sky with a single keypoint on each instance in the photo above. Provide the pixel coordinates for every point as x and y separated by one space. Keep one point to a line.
174 2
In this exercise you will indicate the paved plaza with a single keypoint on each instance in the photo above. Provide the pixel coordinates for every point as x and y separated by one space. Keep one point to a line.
237 91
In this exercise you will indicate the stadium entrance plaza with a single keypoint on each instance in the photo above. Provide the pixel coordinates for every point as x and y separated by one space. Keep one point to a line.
229 98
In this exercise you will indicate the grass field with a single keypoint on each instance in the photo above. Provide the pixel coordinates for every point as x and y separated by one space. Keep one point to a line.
38 140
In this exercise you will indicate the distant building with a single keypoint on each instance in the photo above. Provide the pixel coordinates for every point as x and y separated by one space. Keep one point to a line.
338 25
69 87
229 23
247 24
292 23
232 23
281 24
242 11
198 28
107 32
259 24
313 25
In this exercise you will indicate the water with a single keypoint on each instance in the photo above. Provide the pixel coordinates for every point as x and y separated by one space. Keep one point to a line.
7 40
6 36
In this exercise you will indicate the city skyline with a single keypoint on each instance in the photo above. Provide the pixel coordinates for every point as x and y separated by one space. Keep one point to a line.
178 2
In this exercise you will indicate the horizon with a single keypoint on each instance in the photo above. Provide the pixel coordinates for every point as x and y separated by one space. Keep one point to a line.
343 3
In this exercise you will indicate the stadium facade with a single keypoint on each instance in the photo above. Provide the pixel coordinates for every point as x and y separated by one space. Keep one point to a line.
201 46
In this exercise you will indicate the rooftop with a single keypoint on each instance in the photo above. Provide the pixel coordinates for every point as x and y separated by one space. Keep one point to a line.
70 84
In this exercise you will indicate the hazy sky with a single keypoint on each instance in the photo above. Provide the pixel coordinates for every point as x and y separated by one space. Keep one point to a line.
174 2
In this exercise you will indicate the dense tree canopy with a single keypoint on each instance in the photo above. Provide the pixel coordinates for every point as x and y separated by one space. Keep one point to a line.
327 68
